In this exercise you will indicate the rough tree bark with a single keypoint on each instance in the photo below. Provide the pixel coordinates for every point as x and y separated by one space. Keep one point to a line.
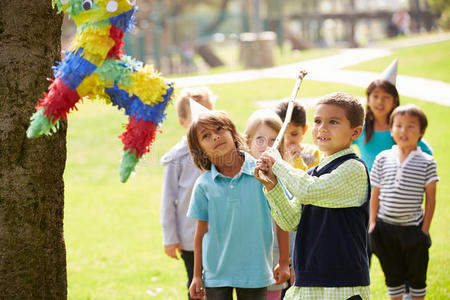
32 249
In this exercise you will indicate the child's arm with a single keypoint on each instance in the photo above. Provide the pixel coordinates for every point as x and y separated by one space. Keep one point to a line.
374 205
168 210
286 212
281 272
430 204
309 157
196 290
346 186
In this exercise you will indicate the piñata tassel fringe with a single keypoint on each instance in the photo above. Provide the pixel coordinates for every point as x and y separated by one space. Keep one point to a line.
40 125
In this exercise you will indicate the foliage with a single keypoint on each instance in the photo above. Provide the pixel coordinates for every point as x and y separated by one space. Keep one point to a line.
443 7
444 21
439 5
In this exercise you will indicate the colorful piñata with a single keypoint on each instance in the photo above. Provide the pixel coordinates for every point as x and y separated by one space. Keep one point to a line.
96 68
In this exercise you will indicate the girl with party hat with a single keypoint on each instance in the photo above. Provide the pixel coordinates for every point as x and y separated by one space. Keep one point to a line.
382 99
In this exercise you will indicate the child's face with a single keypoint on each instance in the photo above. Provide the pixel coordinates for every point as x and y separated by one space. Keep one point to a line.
215 141
406 131
331 130
294 134
264 137
380 103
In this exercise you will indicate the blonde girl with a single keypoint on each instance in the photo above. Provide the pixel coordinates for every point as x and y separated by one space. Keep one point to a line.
261 131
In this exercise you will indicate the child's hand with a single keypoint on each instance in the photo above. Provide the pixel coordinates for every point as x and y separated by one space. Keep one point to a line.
173 250
196 290
263 173
294 150
371 226
273 154
281 273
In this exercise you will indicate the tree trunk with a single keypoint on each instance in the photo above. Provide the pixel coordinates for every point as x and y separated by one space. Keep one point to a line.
32 250
208 55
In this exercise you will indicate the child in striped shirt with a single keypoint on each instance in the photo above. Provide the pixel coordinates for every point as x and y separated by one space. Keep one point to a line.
399 228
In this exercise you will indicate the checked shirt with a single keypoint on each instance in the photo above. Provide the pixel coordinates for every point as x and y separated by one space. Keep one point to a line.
346 186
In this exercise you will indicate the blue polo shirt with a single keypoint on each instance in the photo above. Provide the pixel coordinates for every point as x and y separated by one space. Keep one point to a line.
237 249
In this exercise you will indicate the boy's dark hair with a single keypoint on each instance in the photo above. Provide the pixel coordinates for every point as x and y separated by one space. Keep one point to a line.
412 110
211 119
354 111
298 113
370 119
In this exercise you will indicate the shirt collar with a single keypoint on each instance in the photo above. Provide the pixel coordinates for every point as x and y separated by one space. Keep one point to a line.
248 167
332 157
417 150
411 154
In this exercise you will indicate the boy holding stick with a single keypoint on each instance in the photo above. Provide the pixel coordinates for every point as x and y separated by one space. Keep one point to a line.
330 209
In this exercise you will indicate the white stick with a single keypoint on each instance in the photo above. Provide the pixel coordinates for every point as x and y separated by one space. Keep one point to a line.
287 118
290 107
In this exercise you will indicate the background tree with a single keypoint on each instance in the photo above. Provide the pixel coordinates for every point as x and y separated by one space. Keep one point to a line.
32 250
443 7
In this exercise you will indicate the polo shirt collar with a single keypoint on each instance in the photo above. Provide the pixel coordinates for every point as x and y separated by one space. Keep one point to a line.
248 167
417 150
411 154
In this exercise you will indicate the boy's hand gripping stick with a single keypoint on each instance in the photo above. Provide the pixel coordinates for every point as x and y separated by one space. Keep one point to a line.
288 117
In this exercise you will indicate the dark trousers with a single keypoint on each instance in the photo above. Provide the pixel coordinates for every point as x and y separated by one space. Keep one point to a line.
226 293
369 250
403 253
188 258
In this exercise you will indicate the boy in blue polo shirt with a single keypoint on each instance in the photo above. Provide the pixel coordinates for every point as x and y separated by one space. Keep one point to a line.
233 239
330 206
180 174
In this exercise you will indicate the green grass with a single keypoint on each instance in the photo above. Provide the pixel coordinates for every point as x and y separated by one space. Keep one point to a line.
112 230
431 61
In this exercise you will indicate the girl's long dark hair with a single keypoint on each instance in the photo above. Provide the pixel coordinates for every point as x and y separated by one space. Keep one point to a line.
369 124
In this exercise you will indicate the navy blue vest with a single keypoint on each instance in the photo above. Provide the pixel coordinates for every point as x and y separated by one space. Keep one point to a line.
331 243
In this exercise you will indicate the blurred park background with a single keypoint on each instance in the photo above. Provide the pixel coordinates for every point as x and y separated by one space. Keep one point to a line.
112 230
180 36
